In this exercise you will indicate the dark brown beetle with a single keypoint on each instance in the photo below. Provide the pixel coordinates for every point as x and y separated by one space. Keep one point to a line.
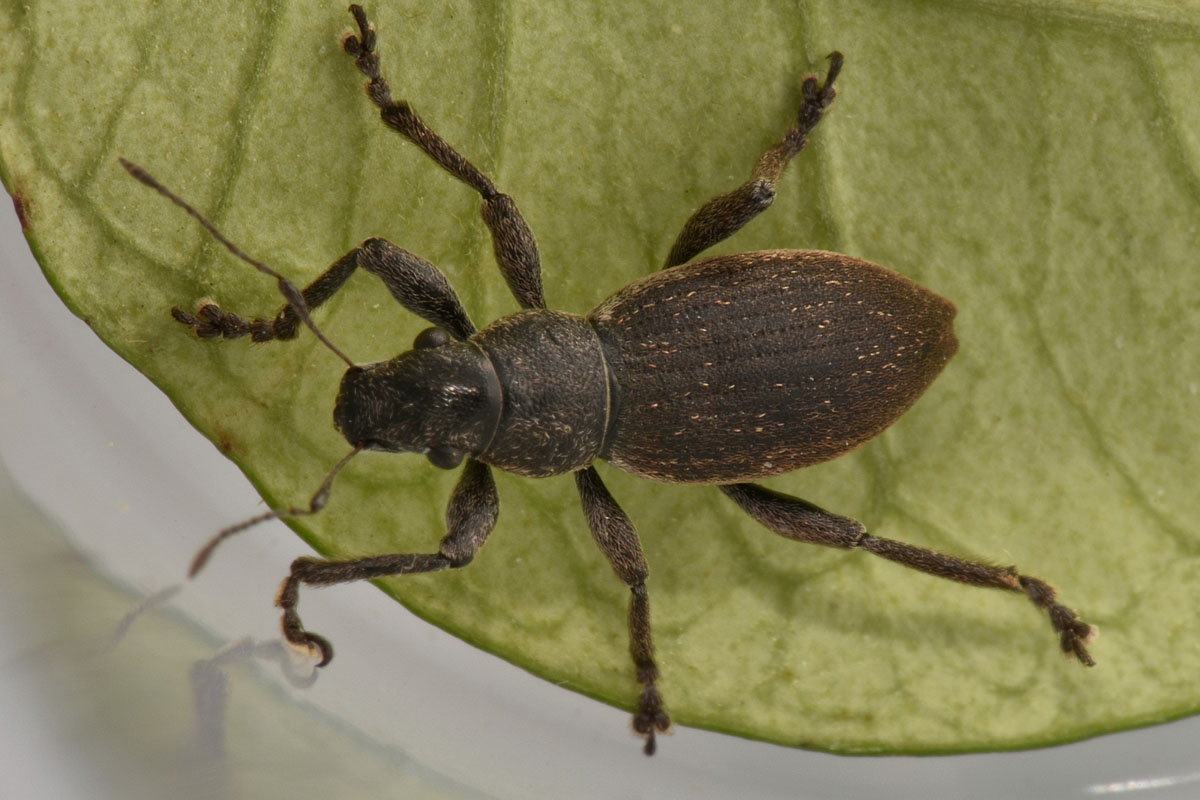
721 371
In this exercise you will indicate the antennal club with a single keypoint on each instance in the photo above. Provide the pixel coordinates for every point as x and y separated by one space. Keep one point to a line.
317 502
293 295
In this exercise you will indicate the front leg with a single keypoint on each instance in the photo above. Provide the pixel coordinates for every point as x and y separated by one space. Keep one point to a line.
470 518
800 520
415 283
211 321
418 285
618 540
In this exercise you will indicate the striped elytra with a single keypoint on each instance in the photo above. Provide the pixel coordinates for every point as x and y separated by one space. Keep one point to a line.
743 366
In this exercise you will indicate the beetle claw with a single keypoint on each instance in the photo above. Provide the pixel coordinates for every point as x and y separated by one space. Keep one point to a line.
822 95
365 41
651 718
313 645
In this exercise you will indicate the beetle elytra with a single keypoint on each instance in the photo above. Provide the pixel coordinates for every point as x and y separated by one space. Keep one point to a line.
724 371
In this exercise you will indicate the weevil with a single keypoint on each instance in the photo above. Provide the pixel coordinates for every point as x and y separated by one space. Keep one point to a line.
723 371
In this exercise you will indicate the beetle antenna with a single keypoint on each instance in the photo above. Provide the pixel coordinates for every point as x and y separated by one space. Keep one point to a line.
294 296
317 502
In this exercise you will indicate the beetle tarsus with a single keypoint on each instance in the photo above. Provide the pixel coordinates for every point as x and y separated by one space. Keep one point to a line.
293 628
651 718
1074 633
211 322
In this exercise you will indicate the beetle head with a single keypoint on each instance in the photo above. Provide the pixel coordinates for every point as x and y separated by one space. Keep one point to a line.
441 399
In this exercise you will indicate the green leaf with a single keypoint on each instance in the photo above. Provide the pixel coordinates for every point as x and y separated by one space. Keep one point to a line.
1034 162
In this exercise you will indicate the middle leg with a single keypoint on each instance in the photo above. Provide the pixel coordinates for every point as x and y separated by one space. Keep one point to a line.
618 540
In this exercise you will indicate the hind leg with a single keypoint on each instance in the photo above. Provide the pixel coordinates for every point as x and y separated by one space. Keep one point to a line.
800 520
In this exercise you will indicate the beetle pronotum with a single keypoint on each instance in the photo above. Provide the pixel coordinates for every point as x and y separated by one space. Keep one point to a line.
724 371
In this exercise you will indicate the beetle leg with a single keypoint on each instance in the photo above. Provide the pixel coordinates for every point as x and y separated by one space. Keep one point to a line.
618 540
725 214
800 520
470 517
211 321
418 285
516 249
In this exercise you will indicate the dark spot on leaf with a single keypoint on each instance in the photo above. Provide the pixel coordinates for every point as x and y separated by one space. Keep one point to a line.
21 204
225 441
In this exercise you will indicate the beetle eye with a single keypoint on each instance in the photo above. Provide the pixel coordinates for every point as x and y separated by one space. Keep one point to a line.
431 337
445 456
